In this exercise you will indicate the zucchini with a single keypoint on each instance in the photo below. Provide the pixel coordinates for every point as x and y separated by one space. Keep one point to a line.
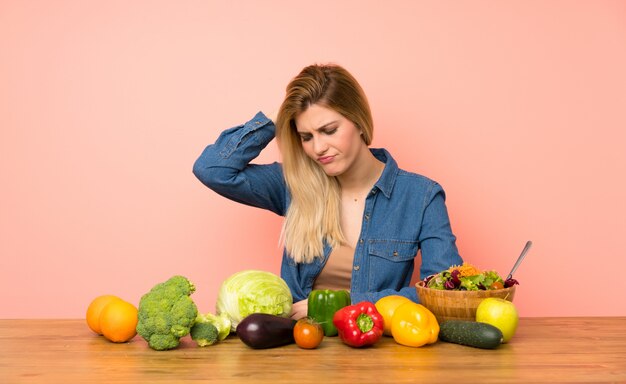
470 333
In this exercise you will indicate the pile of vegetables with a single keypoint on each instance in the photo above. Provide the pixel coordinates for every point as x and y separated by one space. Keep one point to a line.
167 313
466 277
257 305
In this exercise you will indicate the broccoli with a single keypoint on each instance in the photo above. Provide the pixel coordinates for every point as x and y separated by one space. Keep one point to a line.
221 322
204 333
167 313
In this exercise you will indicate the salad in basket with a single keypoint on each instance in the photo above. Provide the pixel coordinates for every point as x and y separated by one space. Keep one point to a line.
466 277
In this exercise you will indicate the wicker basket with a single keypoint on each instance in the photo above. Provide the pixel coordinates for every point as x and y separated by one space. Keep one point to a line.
457 305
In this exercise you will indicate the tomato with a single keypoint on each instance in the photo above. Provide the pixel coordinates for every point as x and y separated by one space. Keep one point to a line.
307 333
496 285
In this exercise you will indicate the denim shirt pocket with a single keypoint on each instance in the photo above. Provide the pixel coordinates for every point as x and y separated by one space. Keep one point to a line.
390 262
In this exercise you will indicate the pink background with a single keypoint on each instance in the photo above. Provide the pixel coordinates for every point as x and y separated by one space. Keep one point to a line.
516 107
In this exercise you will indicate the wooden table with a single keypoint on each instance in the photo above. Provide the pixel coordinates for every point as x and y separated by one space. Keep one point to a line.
544 350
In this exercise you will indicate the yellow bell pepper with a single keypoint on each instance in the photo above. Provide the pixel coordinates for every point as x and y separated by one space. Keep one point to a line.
414 325
387 306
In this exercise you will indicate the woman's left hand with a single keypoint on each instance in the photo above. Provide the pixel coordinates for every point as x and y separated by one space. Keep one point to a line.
299 309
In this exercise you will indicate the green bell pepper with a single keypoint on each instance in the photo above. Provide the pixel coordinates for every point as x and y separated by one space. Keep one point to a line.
323 304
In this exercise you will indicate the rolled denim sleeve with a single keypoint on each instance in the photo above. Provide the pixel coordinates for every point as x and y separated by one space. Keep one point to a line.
437 242
225 166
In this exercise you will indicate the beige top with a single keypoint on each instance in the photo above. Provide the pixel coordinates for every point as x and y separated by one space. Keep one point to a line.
337 273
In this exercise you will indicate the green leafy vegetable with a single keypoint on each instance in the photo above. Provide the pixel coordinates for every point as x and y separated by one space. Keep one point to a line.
253 291
465 278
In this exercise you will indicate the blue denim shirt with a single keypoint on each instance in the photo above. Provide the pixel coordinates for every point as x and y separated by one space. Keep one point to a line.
404 213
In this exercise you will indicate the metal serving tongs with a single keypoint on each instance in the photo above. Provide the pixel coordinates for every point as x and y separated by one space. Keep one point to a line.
520 258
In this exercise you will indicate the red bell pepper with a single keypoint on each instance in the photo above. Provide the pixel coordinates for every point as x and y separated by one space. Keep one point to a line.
359 325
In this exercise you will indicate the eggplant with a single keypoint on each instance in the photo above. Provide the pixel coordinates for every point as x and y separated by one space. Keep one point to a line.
262 330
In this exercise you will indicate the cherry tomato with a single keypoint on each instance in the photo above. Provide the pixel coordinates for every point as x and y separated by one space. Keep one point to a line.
307 333
496 285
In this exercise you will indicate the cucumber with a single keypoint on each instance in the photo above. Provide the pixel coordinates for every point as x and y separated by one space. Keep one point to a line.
470 333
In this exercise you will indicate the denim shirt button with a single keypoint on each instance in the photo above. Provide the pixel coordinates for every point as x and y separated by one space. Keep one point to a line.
356 267
395 253
367 217
361 241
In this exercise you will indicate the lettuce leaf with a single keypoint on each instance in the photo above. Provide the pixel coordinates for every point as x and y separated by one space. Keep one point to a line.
251 291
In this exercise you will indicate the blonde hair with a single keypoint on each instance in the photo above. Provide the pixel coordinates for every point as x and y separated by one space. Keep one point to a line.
314 213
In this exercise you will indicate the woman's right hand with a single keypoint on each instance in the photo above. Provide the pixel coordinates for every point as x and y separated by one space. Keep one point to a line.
299 309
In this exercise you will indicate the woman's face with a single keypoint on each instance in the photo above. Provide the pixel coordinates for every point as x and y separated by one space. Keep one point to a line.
330 139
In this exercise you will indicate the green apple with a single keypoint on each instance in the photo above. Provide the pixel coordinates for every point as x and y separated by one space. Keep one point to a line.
500 313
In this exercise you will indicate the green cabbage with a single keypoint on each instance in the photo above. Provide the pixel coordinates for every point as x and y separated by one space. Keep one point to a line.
252 291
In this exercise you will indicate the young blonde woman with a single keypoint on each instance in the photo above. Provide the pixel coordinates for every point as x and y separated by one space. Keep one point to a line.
353 219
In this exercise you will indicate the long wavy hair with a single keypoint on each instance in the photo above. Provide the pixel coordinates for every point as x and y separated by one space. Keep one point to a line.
314 214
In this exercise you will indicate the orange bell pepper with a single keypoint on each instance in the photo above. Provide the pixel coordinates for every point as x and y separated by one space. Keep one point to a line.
414 325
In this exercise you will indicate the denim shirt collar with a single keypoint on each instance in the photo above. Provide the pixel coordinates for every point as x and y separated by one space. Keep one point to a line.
388 178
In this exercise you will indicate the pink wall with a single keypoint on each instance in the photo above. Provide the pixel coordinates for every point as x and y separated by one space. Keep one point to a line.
516 108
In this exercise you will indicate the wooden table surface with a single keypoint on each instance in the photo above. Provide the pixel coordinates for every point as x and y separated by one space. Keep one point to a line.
544 350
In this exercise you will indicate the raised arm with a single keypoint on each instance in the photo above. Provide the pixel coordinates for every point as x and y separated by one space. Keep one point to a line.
225 166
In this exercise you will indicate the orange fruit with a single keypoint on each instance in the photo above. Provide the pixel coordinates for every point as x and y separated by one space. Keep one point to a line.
387 306
118 321
94 310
